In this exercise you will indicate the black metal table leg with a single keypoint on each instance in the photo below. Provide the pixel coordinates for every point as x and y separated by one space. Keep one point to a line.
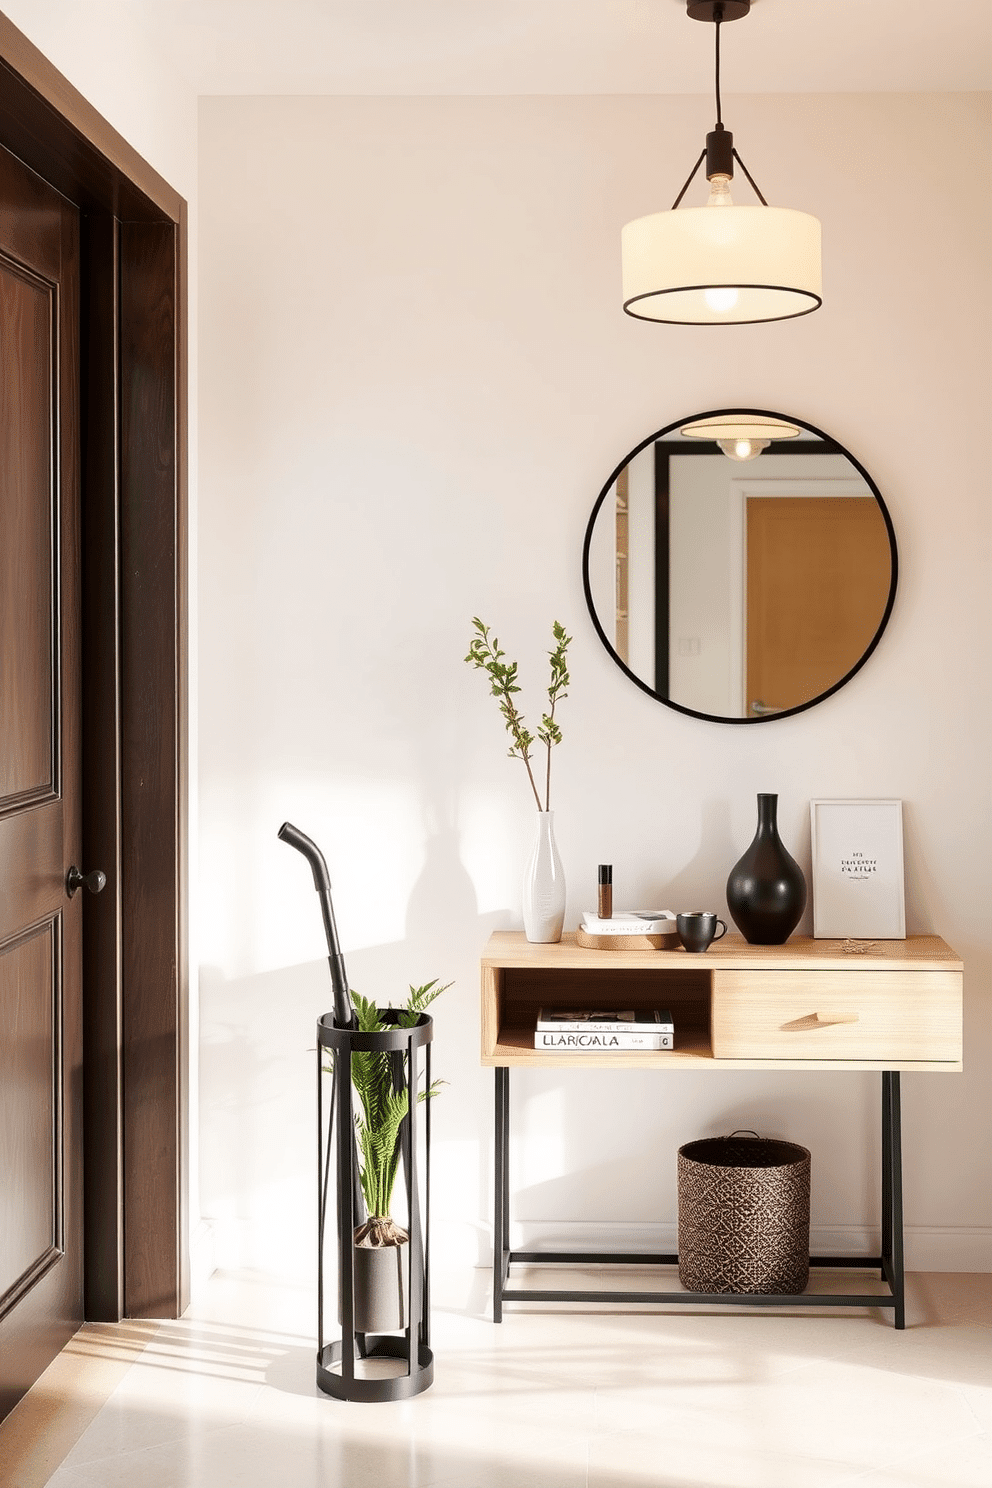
501 1181
886 1179
892 1165
506 1169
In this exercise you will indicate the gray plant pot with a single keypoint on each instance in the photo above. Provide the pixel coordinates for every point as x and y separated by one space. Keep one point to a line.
380 1287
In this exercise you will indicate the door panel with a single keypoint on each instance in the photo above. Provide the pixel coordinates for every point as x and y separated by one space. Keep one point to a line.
818 577
40 929
30 1078
26 321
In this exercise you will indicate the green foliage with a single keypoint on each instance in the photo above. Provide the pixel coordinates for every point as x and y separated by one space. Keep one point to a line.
383 1106
485 654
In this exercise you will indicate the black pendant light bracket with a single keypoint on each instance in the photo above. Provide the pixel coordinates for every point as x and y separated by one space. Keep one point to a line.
720 153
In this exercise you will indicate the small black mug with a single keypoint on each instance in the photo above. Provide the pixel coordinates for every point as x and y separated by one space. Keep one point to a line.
697 929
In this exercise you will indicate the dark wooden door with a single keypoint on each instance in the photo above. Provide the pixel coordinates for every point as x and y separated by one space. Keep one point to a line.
41 1273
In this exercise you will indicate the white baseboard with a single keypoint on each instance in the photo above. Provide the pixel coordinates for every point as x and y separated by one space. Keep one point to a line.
230 1245
928 1247
948 1248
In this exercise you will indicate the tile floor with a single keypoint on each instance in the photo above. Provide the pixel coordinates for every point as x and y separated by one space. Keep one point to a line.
550 1399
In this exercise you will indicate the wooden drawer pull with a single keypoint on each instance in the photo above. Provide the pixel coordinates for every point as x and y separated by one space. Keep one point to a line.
818 1020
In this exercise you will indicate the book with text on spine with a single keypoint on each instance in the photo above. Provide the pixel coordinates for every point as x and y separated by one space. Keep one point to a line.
598 1042
611 1020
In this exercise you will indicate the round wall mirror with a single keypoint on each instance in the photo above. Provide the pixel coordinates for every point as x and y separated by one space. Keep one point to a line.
740 565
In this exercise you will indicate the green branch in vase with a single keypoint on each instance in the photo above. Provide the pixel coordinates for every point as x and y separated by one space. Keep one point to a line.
486 655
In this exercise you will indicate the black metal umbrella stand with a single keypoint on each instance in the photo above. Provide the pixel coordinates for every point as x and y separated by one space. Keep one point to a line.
342 1365
371 1359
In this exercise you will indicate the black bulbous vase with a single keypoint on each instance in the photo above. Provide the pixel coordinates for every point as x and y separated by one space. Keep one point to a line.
766 890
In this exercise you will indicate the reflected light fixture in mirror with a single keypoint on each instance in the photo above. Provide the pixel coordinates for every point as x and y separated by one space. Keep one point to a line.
740 591
741 438
721 264
742 449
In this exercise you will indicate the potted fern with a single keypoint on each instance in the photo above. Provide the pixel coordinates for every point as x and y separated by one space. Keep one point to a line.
544 878
382 1088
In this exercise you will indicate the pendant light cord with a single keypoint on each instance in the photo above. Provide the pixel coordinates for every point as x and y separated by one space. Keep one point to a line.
718 17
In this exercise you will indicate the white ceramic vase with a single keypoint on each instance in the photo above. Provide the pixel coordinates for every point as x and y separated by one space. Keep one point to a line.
544 885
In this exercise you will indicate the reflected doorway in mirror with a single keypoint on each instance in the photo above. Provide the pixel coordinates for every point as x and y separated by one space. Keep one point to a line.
740 591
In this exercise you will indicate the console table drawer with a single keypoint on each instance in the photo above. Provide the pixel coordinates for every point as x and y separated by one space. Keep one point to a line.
864 1015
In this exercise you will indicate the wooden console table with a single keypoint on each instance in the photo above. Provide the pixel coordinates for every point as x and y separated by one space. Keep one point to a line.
807 1005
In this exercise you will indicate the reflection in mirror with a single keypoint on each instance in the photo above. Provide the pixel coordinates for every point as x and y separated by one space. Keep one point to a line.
740 565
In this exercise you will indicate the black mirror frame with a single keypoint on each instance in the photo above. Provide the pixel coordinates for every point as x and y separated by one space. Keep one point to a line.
762 413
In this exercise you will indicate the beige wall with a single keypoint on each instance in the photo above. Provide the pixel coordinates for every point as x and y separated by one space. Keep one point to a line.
415 378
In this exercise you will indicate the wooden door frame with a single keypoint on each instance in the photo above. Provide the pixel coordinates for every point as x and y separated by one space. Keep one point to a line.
135 767
663 454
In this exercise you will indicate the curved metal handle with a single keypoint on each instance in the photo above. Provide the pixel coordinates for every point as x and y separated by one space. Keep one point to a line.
344 1012
761 710
95 881
306 845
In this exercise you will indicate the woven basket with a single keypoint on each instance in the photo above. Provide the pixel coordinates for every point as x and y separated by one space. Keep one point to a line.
743 1215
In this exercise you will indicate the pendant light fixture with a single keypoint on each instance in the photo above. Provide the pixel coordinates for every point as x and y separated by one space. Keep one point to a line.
741 436
721 264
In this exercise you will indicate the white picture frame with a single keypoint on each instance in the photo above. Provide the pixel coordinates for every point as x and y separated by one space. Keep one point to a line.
858 877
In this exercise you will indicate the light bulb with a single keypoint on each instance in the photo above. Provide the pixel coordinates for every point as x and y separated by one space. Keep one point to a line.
743 449
720 300
720 192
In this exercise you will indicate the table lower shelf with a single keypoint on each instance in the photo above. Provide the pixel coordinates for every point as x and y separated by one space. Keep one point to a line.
684 1298
890 1263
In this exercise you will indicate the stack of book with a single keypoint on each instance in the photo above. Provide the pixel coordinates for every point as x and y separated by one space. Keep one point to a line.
631 922
595 1032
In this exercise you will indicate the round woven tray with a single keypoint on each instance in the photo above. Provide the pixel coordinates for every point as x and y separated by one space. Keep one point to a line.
626 942
743 1215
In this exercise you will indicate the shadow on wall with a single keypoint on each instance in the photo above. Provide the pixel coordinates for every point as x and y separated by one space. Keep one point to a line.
698 885
258 1067
693 886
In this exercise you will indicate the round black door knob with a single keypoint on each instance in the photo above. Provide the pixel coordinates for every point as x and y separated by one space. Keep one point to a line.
94 881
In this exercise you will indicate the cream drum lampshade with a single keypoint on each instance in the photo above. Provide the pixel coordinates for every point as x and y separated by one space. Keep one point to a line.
721 265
